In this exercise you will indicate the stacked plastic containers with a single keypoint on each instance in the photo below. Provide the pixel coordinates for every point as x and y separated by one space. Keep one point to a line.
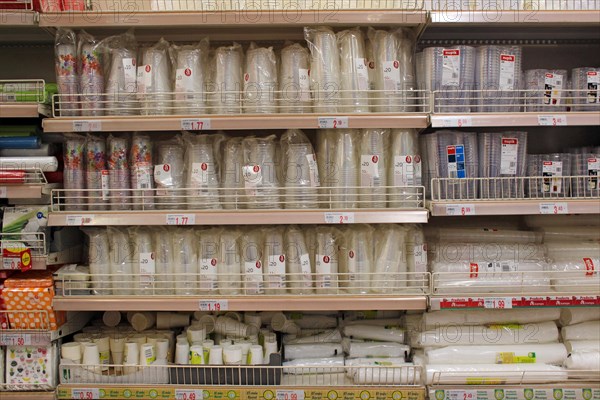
154 80
354 74
546 172
498 79
294 83
325 68
260 81
545 90
189 65
584 163
585 91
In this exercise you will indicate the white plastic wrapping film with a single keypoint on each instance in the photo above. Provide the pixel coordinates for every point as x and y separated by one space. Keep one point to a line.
325 69
390 260
575 266
299 262
326 260
436 319
300 170
386 376
208 257
74 175
416 256
169 174
100 259
253 262
343 167
583 331
499 237
154 80
546 90
572 316
121 84
404 167
356 259
232 177
375 349
582 345
260 81
202 172
119 172
313 350
294 80
186 261
143 260
584 360
354 74
121 262
543 332
498 78
190 66
275 261
324 365
374 145
552 353
45 163
227 80
505 373
370 332
164 262
142 170
260 172
328 336
66 63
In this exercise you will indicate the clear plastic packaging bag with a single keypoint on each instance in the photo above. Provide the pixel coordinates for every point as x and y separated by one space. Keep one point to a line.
300 171
118 167
143 260
208 258
229 265
96 173
260 172
154 80
66 63
91 75
390 260
202 171
142 168
325 68
253 259
374 145
121 83
100 260
404 169
275 261
354 74
260 81
169 173
356 259
294 80
326 260
185 261
165 262
190 65
73 156
227 85
299 261
232 174
121 263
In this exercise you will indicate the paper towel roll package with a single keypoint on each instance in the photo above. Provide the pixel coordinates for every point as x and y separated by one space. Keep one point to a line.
582 345
367 331
544 332
571 316
584 331
314 350
497 373
552 353
584 360
469 317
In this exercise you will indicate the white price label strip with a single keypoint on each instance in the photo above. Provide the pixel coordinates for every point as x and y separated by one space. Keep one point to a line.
11 263
79 220
554 208
87 126
290 395
455 122
181 219
460 209
188 394
339 217
552 120
85 394
195 124
3 192
214 305
500 303
15 339
333 122
461 395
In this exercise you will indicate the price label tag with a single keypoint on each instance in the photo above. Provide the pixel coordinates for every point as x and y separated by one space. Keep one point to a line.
461 395
554 208
181 219
460 209
289 394
333 122
15 259
3 192
339 217
14 339
79 220
500 303
455 122
552 120
214 305
188 394
87 126
85 394
195 124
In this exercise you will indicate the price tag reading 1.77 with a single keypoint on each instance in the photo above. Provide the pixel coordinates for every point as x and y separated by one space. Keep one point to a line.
188 394
333 122
195 124
290 395
181 219
214 305
460 209
500 303
85 394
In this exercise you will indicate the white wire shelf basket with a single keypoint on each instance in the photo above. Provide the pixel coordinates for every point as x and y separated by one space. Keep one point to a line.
582 187
22 91
241 375
254 100
501 278
512 5
250 281
12 175
13 323
229 199
500 378
14 244
465 100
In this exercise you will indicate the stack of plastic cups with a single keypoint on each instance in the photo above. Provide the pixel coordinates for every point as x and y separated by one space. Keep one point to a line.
99 260
164 263
585 164
358 257
143 251
190 76
390 261
186 262
299 262
294 84
66 77
585 89
91 79
254 262
354 74
74 149
96 173
208 256
232 174
373 161
498 78
346 168
404 169
120 258
156 77
121 85
534 184
545 90
142 172
227 80
275 262
202 174
325 149
118 167
171 165
431 164
326 262
260 81
395 76
229 267
260 173
300 173
325 69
